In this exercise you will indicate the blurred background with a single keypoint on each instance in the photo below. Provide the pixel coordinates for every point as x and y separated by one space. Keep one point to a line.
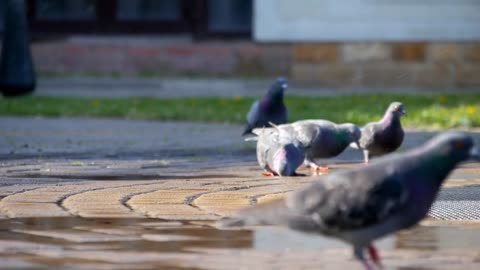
324 43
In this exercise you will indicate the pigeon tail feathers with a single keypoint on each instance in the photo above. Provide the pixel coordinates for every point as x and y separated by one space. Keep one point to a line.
251 139
248 130
259 131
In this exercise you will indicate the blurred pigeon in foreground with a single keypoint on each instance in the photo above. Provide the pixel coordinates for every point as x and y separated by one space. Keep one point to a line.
363 204
278 152
322 139
268 109
385 136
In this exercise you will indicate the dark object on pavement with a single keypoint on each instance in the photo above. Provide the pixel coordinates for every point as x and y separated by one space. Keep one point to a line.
17 75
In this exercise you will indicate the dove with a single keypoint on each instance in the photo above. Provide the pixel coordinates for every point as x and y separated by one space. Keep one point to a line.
363 204
322 139
278 152
384 136
270 108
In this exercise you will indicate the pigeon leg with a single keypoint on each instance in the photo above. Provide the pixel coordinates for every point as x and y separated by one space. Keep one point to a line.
358 252
365 156
269 174
319 170
316 170
372 251
323 169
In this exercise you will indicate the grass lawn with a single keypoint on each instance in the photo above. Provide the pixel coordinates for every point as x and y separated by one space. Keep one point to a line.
423 111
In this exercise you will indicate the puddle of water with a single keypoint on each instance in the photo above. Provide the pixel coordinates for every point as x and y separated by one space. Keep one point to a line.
153 235
60 231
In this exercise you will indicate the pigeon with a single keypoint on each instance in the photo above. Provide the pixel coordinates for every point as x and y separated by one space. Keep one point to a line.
278 152
363 204
384 136
322 139
268 109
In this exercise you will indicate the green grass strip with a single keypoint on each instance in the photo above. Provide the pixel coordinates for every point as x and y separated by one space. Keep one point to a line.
423 111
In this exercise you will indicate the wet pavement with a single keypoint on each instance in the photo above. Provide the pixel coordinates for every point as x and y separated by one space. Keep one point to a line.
118 194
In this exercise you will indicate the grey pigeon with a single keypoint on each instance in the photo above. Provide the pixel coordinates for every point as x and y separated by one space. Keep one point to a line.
278 152
270 108
363 204
384 136
322 139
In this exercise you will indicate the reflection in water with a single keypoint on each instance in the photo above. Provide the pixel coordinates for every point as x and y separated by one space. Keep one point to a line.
417 238
439 238
152 235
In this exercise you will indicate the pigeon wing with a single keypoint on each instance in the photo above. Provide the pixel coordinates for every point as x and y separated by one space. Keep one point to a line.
367 138
349 203
306 133
267 139
253 116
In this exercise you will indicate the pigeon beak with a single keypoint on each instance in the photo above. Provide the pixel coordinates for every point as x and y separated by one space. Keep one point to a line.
402 112
474 154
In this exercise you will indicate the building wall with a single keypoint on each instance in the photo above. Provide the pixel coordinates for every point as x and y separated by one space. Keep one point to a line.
347 64
149 56
380 64
376 43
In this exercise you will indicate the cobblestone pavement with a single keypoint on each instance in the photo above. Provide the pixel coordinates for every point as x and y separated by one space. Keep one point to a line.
116 194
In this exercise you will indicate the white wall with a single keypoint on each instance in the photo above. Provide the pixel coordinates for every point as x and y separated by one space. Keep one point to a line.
364 20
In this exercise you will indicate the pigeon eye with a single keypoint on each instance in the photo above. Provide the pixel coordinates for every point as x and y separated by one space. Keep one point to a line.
397 108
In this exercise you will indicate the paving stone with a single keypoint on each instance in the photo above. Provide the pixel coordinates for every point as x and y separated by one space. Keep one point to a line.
108 202
168 204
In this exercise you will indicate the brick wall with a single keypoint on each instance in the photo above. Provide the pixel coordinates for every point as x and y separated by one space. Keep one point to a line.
145 58
425 65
